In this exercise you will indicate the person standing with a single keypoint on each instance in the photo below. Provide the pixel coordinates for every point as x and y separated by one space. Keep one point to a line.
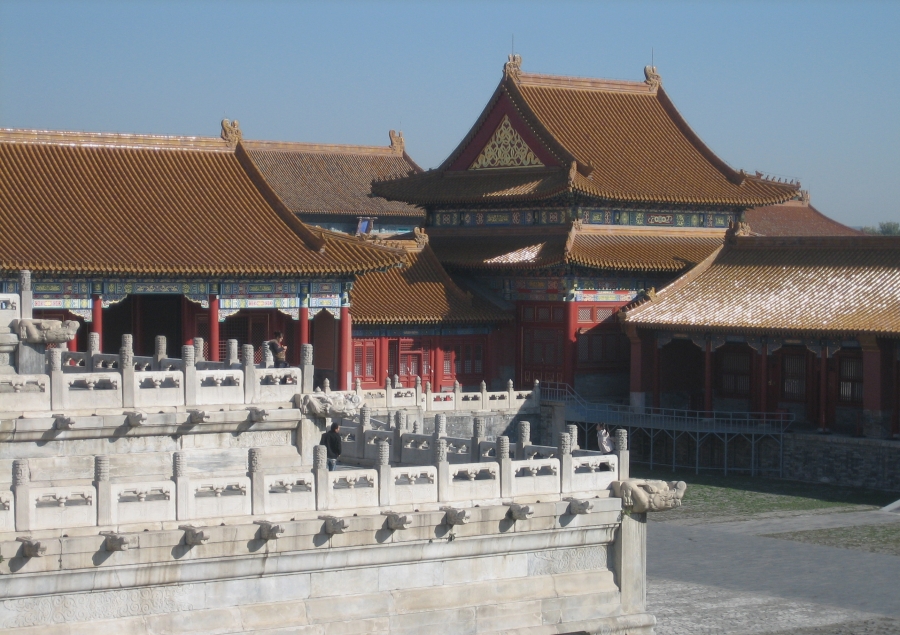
332 442
279 350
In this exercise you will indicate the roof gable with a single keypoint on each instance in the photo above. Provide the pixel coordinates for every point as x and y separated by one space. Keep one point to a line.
618 140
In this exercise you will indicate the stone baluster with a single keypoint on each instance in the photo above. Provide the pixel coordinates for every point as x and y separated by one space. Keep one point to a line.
443 469
26 295
126 370
159 352
231 354
385 477
388 393
268 358
249 372
623 453
506 467
572 429
484 396
22 493
536 394
199 356
257 481
457 395
320 473
58 385
93 349
365 423
307 370
416 428
429 397
399 430
478 433
182 486
104 490
565 462
418 390
397 383
191 385
524 439
510 394
440 425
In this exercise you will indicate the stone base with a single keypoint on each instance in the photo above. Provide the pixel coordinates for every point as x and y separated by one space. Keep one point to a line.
535 584
31 360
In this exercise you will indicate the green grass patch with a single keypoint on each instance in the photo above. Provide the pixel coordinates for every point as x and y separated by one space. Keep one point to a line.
714 495
883 538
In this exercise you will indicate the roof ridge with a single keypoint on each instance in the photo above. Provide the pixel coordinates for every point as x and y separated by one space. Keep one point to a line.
319 148
114 139
861 241
587 83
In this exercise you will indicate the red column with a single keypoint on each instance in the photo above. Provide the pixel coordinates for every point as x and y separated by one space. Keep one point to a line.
655 373
345 356
636 371
708 378
823 387
97 317
214 328
137 324
763 379
895 388
303 326
871 360
570 351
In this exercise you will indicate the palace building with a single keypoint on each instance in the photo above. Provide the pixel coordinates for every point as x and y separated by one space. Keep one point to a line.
174 236
578 234
567 198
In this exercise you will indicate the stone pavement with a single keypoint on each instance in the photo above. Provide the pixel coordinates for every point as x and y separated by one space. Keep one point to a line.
726 578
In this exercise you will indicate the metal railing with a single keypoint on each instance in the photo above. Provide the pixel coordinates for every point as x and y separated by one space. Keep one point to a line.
582 411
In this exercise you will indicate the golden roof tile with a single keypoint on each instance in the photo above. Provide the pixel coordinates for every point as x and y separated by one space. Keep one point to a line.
821 285
103 204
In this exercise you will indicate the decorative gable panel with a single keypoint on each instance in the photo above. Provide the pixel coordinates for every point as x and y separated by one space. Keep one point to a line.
506 149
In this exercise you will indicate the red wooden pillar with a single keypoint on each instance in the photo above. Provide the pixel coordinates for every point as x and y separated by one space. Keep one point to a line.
636 386
303 326
345 355
823 388
708 377
437 367
763 379
871 361
895 388
97 317
655 373
570 351
214 328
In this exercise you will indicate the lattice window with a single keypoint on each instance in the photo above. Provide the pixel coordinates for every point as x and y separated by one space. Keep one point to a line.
543 314
584 314
558 314
851 376
735 373
528 314
603 314
479 358
506 149
793 376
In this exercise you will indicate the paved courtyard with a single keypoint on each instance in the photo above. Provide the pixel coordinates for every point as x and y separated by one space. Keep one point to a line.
776 573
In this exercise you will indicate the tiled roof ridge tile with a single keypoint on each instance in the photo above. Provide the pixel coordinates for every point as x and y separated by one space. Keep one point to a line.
113 139
307 147
586 83
861 241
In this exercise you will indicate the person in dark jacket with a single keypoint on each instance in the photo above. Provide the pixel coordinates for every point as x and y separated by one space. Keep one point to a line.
332 442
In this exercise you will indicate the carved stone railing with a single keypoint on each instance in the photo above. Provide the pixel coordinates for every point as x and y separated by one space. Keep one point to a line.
111 492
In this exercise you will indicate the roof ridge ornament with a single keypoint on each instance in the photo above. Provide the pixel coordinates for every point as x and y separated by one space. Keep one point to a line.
420 237
652 78
231 132
398 144
739 228
513 67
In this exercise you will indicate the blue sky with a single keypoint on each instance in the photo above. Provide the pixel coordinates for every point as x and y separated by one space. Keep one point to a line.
807 90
